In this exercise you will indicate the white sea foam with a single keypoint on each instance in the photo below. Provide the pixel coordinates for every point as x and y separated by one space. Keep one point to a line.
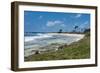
39 36
41 40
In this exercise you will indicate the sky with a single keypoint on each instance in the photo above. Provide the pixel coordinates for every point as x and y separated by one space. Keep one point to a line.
37 21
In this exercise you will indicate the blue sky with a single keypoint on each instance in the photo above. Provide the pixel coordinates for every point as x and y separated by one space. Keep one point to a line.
35 21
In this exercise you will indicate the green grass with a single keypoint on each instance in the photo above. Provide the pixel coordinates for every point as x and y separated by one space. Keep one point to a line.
77 50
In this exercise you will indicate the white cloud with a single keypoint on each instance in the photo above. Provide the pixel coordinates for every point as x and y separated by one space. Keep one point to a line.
84 25
63 25
85 22
55 23
40 16
50 23
78 15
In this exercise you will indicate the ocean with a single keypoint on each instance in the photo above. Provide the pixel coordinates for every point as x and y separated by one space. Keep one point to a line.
35 41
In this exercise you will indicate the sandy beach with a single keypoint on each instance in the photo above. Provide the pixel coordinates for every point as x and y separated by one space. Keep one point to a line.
49 42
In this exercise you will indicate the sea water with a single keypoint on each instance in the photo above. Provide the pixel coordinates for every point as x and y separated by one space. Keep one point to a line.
37 40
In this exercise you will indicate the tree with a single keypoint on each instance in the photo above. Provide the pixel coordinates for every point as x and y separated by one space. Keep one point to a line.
75 28
87 30
60 30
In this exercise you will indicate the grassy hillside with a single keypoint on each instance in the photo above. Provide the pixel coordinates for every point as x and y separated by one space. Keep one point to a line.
77 50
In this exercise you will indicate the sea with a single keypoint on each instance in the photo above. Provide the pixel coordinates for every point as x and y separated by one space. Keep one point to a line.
33 41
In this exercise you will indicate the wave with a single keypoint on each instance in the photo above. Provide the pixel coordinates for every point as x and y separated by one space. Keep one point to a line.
38 36
47 36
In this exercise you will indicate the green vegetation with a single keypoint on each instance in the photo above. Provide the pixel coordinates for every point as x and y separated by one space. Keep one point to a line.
77 50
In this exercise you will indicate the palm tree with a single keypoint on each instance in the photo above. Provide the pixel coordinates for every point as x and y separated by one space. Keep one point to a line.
75 28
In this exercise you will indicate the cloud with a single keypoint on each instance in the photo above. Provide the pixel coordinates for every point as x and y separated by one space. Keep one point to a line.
50 23
78 15
63 25
85 25
55 23
40 16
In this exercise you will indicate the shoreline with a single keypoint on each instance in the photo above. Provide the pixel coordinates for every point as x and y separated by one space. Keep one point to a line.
52 46
76 50
51 34
67 34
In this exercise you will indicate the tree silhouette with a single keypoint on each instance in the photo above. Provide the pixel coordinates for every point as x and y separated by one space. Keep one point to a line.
75 28
87 30
60 30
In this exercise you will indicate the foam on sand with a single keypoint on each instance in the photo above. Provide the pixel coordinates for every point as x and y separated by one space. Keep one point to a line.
41 42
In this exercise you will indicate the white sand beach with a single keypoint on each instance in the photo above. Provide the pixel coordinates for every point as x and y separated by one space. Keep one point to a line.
42 41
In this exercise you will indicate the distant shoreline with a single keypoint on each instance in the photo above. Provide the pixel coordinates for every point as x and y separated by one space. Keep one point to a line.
57 32
32 33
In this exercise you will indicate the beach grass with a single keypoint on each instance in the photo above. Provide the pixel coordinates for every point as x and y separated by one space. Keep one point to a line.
76 50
